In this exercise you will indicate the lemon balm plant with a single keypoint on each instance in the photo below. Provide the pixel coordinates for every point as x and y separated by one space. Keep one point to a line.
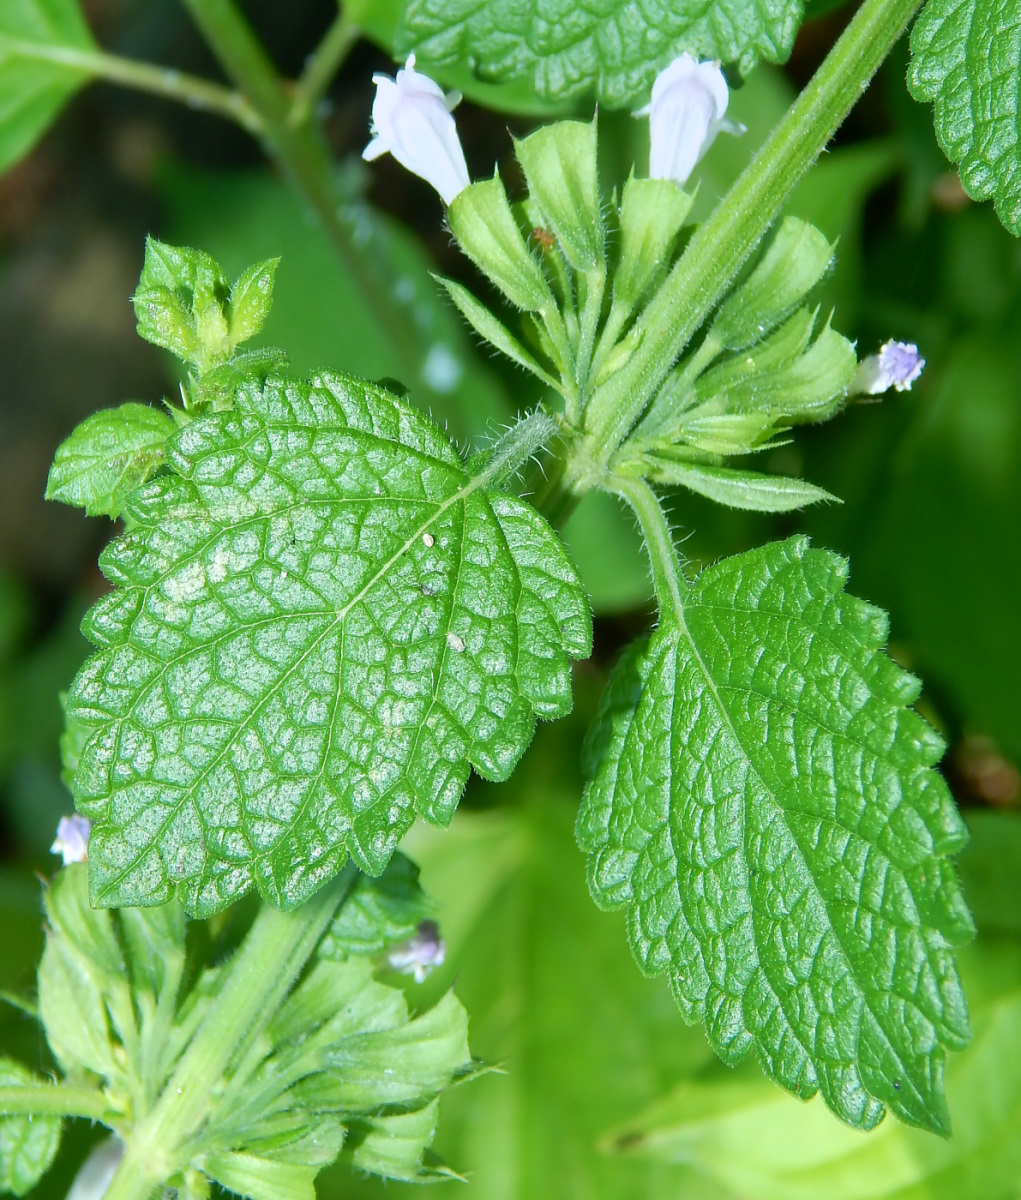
324 615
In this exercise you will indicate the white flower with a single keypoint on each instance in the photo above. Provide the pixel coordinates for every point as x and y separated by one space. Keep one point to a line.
687 111
98 1170
897 365
418 955
72 839
411 120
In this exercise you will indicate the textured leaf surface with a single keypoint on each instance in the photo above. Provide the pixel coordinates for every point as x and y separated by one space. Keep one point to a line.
323 620
33 88
614 47
27 1144
762 803
378 912
107 456
964 58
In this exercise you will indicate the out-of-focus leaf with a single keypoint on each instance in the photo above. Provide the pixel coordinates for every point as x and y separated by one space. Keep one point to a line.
554 1001
766 1146
319 314
35 83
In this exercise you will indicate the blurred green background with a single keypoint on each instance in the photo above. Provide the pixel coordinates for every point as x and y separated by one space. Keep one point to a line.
605 1092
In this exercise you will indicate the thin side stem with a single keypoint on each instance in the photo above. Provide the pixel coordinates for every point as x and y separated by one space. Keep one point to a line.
300 150
146 77
270 959
664 563
722 243
53 1100
322 66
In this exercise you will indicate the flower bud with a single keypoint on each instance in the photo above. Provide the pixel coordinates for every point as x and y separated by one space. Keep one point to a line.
687 111
897 365
72 841
411 120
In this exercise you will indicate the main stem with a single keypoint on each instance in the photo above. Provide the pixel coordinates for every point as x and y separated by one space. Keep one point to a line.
299 148
721 244
270 959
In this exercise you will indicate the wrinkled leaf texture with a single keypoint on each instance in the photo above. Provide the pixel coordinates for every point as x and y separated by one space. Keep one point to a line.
613 48
322 621
762 803
964 58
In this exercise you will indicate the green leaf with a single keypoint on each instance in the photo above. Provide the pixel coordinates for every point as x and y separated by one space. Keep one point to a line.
762 804
38 72
615 48
378 912
323 620
764 1146
107 456
737 489
964 59
251 298
583 1041
28 1144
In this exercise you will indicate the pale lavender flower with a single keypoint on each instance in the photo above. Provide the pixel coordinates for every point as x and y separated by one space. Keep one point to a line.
411 120
687 111
72 840
420 954
897 365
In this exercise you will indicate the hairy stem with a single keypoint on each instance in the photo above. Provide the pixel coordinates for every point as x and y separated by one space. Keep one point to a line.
145 77
261 974
300 150
53 1100
722 243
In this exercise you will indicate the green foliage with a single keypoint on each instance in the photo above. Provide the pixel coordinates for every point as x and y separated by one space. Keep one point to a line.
35 80
964 59
185 304
28 1144
760 1145
583 1041
614 50
762 803
737 489
335 1059
322 620
107 456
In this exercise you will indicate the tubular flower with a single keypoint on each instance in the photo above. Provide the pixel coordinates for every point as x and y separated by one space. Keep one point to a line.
897 365
72 841
411 120
687 111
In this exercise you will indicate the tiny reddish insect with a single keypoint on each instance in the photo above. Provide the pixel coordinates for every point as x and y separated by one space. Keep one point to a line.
546 238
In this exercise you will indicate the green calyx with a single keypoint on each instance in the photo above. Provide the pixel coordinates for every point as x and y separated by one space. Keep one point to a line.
584 275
